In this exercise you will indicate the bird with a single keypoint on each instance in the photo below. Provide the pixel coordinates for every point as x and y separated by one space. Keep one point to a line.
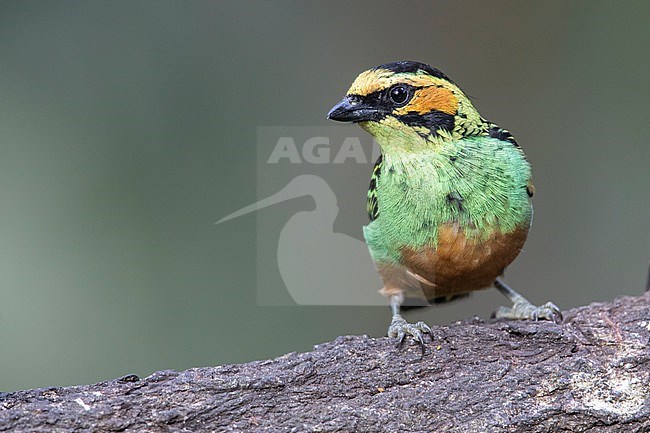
449 200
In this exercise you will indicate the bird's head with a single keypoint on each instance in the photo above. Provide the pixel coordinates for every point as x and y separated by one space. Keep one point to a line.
408 104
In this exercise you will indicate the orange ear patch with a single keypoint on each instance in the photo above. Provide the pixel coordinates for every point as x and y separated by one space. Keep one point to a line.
427 99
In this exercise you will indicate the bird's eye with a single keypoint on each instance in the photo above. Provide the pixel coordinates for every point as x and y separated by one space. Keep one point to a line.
398 94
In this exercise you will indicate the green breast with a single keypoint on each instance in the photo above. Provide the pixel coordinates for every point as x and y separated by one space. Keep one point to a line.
478 182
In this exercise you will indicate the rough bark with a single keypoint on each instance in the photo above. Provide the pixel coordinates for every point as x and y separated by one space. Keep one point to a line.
589 374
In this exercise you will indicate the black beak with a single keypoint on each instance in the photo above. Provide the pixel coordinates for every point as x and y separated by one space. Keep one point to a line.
351 109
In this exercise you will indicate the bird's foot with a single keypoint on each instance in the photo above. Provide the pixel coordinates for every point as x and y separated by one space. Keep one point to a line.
524 310
400 328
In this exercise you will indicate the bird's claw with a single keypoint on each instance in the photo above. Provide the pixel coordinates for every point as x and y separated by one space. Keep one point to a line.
526 311
400 328
548 311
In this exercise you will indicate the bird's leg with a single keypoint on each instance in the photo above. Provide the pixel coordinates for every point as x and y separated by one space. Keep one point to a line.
400 328
522 308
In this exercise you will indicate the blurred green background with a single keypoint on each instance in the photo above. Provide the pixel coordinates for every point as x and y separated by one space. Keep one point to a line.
129 128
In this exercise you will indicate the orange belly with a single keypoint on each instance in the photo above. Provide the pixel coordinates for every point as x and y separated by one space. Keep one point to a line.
456 266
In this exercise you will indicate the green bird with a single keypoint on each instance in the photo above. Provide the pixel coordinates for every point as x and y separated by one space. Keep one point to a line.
449 198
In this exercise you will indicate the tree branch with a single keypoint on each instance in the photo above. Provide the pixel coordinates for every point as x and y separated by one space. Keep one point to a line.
589 374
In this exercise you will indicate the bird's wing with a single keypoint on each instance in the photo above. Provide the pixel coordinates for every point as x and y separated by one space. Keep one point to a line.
372 205
495 131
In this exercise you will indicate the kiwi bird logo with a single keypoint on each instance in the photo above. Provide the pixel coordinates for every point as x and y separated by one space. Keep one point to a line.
319 266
